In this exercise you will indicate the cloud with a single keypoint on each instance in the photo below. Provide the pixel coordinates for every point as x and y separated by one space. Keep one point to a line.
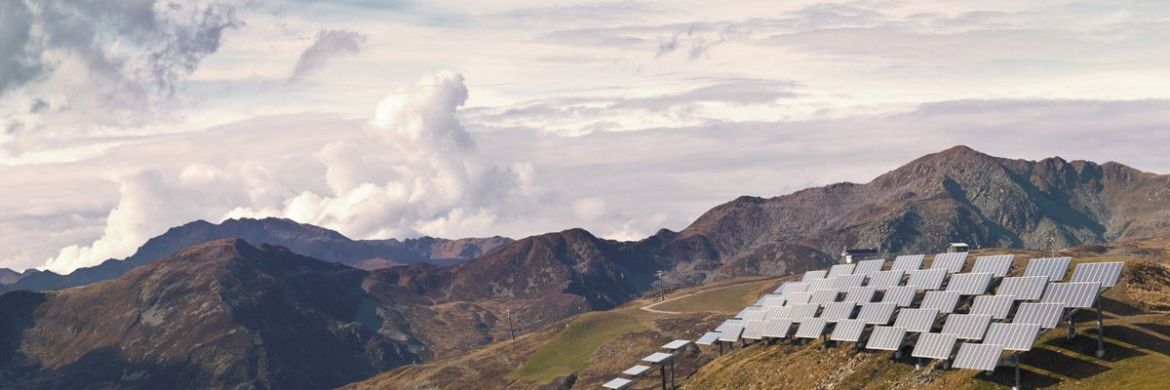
328 45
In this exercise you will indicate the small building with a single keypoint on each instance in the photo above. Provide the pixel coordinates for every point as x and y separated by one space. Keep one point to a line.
958 247
858 254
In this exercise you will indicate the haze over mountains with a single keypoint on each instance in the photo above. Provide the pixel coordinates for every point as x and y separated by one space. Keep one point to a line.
242 295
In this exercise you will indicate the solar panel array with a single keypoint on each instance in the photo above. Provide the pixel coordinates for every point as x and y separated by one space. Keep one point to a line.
981 328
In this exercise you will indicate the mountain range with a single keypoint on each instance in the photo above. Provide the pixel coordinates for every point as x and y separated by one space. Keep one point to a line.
258 314
309 240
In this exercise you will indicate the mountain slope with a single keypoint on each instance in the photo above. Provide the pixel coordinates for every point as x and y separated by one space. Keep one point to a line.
301 238
219 314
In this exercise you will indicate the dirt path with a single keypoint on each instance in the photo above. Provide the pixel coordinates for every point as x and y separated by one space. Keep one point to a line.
650 307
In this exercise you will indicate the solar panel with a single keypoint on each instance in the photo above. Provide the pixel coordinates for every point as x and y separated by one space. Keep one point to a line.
868 267
927 279
1046 315
970 283
1023 288
729 324
840 269
983 357
1074 295
1013 337
771 300
811 328
657 357
801 312
1104 273
934 346
997 306
943 301
777 328
967 326
676 344
848 330
823 297
752 313
916 320
753 330
796 298
876 313
791 287
617 384
952 262
814 275
1053 268
779 312
862 294
822 284
837 311
886 279
908 262
635 370
886 338
844 282
903 296
708 338
998 265
731 334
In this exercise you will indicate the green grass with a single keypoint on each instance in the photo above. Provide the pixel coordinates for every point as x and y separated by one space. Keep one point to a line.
571 349
726 300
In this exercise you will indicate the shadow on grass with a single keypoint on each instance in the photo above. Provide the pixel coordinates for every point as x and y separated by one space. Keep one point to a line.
1139 338
1006 376
1058 363
1161 329
1116 307
1085 344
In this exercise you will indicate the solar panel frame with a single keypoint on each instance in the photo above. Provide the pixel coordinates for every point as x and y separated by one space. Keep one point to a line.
728 324
860 294
1013 337
1023 288
967 326
752 313
844 282
1105 273
916 320
908 262
997 306
658 357
877 313
1052 267
1044 315
971 283
809 276
804 311
1073 295
779 312
868 267
840 269
848 330
927 279
983 357
886 338
708 338
791 287
771 300
934 346
943 301
998 265
903 296
824 297
886 279
837 311
811 328
617 384
951 262
753 330
636 370
676 344
777 328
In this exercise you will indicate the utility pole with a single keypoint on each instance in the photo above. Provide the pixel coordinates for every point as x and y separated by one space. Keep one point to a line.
661 287
508 313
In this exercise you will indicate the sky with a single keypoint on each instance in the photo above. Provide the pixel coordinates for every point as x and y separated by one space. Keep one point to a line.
404 118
